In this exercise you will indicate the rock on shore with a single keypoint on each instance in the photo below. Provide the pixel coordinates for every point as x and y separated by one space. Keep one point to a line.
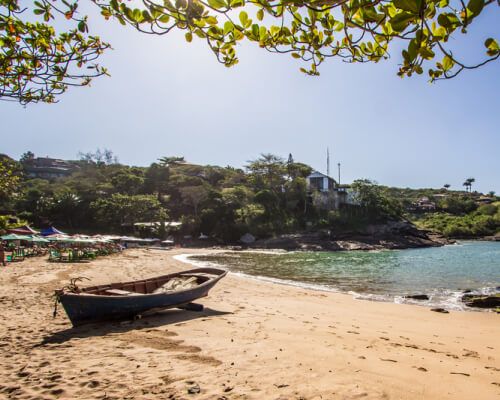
482 301
392 235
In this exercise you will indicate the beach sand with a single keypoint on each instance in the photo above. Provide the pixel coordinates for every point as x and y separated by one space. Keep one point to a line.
254 340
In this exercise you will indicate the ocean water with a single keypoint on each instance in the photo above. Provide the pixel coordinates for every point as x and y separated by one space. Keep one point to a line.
443 273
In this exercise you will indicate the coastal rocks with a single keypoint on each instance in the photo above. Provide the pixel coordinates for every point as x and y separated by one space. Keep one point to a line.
247 238
495 238
285 242
417 297
354 245
481 301
391 235
440 310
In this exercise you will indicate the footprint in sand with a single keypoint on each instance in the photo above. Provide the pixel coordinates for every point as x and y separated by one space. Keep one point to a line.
460 373
470 353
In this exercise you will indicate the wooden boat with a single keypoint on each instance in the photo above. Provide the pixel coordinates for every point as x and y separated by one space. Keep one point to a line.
129 299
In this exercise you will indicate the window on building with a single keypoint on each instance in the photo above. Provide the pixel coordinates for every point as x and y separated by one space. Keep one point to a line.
316 183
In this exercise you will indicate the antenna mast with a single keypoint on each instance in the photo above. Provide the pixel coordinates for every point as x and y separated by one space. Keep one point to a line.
327 161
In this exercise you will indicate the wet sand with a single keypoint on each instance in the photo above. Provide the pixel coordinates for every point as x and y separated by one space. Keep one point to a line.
254 340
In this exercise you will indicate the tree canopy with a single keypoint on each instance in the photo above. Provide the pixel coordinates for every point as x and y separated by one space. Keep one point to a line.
9 177
37 64
270 197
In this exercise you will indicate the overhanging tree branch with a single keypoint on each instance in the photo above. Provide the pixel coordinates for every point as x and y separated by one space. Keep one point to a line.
37 64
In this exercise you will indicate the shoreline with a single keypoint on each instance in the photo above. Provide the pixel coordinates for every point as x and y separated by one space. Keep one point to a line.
392 235
254 340
453 301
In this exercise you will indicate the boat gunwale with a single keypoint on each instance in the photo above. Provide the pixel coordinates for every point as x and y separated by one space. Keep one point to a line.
221 273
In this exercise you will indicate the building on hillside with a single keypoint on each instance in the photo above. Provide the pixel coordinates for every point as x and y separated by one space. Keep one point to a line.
5 157
49 168
484 200
327 193
424 204
320 182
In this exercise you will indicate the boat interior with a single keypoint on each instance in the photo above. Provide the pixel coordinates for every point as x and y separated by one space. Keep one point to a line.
147 286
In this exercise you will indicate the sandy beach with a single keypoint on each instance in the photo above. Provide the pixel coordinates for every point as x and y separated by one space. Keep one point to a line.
254 340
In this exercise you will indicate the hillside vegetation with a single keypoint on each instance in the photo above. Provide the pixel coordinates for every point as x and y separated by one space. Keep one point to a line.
483 221
268 197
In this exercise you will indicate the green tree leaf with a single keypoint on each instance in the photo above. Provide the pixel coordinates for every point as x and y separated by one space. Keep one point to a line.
217 4
260 14
412 6
243 18
475 6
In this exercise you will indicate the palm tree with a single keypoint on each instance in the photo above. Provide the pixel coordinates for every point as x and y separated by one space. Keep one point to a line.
169 161
466 184
471 181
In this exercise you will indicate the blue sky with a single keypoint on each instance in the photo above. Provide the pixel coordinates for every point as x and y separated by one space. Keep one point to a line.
167 97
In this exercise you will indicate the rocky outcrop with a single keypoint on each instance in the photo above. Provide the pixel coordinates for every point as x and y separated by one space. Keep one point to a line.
417 297
476 301
392 235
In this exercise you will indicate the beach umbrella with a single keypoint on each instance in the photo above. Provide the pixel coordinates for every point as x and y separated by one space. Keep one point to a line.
51 231
14 236
103 240
38 239
81 240
23 230
60 238
111 237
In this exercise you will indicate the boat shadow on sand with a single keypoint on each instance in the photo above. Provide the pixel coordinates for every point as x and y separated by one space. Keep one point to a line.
161 318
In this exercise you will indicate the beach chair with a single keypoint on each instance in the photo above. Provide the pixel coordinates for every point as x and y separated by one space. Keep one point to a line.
65 256
18 255
89 255
74 255
54 255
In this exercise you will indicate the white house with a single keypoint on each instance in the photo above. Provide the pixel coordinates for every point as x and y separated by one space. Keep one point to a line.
327 193
321 182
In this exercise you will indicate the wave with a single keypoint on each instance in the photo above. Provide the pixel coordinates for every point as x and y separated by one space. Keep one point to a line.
443 298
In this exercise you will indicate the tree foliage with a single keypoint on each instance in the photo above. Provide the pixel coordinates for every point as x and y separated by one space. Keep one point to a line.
104 156
122 209
222 202
10 177
468 184
270 198
353 30
482 222
375 201
38 64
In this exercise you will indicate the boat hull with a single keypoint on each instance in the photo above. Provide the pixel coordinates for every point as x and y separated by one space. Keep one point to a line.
83 308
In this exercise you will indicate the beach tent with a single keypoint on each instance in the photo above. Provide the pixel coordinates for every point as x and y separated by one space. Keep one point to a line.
14 236
51 231
81 240
23 230
38 239
60 238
